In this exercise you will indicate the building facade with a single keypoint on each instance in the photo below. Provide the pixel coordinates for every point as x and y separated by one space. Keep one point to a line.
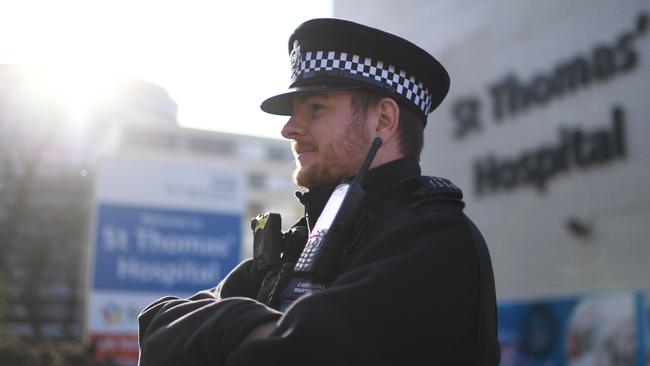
47 174
266 163
545 129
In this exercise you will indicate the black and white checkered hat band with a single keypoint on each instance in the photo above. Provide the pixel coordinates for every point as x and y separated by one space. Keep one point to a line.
375 71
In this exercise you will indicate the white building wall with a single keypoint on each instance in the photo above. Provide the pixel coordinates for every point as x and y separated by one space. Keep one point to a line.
266 163
480 43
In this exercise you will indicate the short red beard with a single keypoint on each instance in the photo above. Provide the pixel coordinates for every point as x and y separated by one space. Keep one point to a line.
332 168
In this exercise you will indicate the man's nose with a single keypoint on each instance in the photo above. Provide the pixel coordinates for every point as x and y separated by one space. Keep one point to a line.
292 129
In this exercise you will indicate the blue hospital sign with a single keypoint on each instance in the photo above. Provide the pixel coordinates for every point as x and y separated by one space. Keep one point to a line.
163 250
162 226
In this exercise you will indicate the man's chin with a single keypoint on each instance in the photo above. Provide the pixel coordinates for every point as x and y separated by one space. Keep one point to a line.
308 178
301 178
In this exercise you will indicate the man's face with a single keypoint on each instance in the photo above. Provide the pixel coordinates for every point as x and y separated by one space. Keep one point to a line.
329 141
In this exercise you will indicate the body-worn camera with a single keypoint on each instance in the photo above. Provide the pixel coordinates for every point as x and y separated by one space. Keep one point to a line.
267 241
272 247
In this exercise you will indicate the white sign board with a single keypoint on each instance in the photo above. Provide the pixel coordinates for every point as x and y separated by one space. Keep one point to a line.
161 228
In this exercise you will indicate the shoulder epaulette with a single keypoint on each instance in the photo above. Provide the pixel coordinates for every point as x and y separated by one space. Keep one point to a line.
440 186
428 189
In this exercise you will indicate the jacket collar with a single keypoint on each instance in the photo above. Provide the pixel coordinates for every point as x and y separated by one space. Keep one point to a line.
377 183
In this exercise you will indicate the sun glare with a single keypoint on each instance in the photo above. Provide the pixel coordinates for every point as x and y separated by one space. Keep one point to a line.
217 60
74 86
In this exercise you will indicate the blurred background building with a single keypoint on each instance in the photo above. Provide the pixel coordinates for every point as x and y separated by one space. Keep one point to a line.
48 166
545 128
43 211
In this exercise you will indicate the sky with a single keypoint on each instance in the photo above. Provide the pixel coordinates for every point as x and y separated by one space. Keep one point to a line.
217 59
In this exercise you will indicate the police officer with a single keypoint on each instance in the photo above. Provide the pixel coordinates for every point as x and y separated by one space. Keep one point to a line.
412 282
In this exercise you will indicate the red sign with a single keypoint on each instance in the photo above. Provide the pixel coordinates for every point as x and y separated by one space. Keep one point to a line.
122 349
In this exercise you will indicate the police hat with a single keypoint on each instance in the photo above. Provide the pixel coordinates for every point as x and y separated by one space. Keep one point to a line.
335 54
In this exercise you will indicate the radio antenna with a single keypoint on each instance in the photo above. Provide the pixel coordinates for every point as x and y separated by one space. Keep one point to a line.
376 143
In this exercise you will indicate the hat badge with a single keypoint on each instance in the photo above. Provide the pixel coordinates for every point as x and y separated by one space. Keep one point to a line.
295 59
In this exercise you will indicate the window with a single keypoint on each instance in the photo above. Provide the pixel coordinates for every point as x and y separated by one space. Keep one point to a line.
257 181
211 146
279 153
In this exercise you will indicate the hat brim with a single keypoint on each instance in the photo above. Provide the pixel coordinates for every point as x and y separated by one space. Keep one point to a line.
280 104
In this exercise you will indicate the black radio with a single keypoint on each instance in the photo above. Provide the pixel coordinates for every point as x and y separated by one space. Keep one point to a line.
328 238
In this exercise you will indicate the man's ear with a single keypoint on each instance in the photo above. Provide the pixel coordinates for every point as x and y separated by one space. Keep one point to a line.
388 113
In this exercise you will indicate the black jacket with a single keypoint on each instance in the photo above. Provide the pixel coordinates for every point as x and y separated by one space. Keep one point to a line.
414 286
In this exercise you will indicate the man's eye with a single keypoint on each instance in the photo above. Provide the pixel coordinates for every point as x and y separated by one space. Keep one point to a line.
316 107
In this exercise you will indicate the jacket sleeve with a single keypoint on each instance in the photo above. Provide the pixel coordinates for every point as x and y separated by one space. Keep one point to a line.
201 330
242 281
411 299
